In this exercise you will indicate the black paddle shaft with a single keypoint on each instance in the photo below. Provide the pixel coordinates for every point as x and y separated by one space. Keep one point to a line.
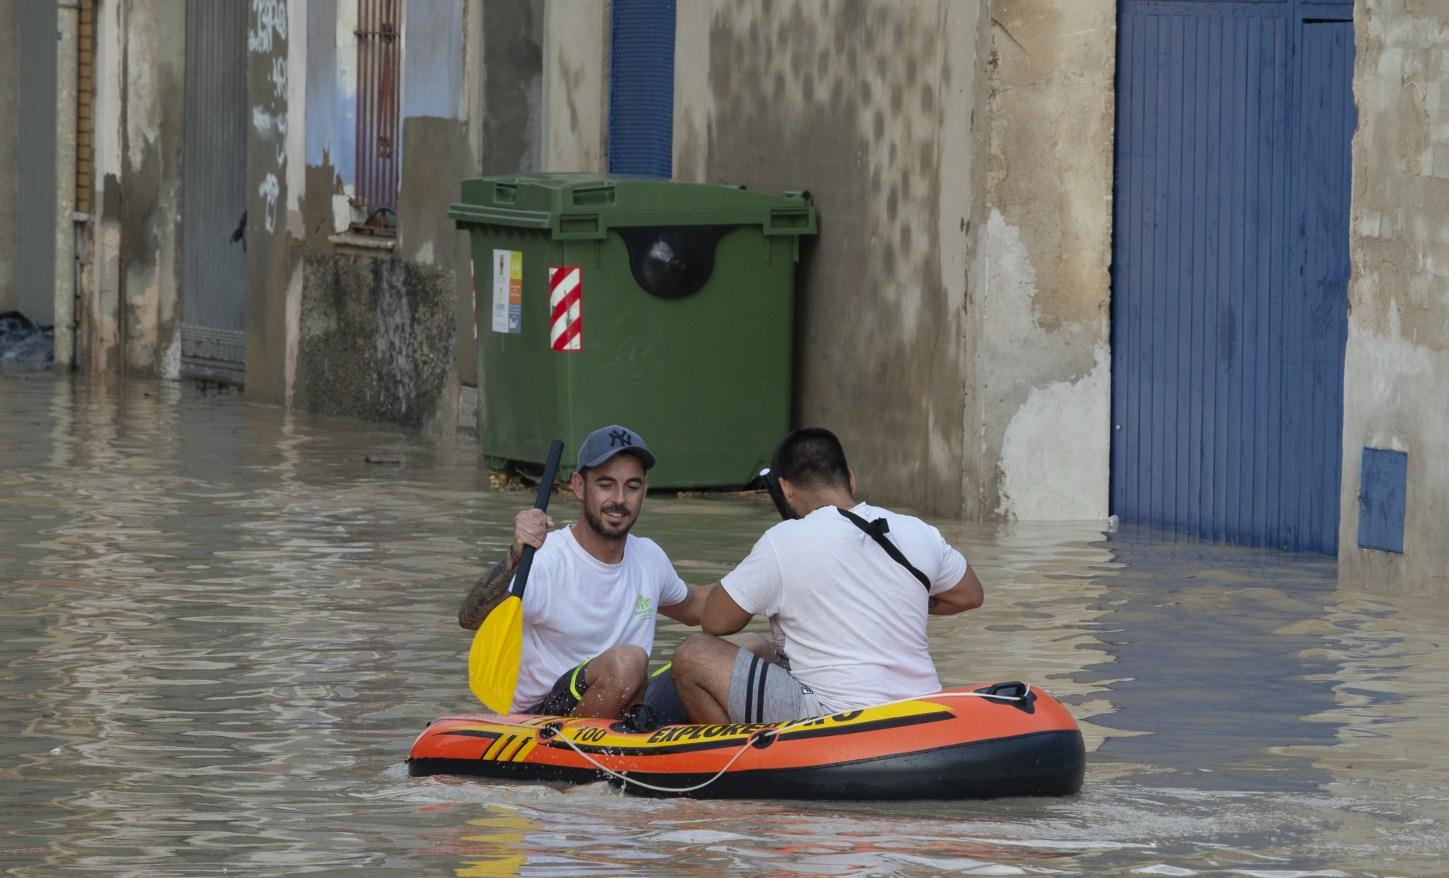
772 484
545 491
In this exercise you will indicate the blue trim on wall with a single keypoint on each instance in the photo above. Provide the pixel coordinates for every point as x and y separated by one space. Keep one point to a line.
331 134
433 63
641 88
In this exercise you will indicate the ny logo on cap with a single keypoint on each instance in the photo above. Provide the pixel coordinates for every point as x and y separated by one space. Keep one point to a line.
618 438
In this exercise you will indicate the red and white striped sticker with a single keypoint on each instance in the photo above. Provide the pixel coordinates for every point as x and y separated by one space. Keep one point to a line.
565 301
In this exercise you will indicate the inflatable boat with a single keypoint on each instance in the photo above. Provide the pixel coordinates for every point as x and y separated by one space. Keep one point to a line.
1003 739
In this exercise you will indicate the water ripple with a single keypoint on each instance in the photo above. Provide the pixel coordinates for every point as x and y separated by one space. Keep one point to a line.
221 626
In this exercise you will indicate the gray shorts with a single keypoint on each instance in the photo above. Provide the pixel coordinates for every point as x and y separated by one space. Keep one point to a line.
765 692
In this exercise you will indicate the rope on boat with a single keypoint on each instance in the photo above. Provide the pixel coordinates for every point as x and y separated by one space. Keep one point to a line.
753 738
749 742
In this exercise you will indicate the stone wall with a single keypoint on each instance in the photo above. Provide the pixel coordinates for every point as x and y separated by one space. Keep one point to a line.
375 339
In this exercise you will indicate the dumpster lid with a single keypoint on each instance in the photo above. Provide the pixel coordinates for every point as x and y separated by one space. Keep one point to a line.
584 206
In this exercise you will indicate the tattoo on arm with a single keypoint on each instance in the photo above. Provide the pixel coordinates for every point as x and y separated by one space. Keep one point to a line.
486 594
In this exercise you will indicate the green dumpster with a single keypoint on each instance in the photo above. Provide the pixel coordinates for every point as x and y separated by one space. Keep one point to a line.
661 305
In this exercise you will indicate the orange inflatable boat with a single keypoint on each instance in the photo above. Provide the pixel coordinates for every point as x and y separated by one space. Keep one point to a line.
1003 739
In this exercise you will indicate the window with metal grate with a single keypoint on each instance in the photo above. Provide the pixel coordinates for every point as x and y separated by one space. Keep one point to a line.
379 66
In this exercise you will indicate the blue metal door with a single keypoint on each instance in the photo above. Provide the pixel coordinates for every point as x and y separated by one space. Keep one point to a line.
1230 267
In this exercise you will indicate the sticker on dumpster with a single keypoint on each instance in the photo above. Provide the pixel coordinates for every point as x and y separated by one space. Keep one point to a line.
508 291
565 305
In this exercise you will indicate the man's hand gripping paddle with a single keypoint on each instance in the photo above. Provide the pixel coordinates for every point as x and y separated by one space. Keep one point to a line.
498 645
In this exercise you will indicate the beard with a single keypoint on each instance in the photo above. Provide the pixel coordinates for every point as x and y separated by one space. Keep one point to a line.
603 527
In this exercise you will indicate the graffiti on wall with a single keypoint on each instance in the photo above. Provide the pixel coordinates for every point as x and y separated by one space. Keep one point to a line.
268 17
267 36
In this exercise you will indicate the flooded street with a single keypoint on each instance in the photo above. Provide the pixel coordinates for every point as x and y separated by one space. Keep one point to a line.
222 625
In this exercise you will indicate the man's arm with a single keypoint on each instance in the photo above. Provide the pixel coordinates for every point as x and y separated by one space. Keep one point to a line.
530 528
721 615
964 595
688 611
487 593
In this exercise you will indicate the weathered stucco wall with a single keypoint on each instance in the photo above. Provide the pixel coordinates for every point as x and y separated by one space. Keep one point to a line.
150 186
276 48
512 116
866 105
575 85
98 329
129 314
128 319
331 95
1039 399
437 154
66 154
1397 361
317 299
439 148
9 162
510 131
952 314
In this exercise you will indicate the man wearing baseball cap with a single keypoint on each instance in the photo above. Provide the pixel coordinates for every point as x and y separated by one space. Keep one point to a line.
594 590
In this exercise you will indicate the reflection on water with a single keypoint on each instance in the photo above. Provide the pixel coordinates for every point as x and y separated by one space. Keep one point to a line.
221 626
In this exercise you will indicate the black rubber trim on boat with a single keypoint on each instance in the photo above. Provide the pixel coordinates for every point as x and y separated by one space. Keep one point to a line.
1049 763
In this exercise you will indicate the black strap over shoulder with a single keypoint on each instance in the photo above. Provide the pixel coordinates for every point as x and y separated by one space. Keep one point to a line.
877 531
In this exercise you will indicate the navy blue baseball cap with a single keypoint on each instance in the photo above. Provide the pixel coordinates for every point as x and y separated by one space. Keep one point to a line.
606 442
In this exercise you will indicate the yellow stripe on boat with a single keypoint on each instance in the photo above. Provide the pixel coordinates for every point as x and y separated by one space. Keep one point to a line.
497 746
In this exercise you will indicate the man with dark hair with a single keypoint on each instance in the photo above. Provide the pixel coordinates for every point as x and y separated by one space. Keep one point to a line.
594 589
846 586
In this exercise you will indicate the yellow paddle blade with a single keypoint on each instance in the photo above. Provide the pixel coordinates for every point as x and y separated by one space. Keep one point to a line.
494 656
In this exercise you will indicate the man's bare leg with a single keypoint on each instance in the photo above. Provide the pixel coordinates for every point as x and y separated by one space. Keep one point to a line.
702 667
616 677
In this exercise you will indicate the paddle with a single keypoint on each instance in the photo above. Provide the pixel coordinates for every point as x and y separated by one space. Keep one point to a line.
498 645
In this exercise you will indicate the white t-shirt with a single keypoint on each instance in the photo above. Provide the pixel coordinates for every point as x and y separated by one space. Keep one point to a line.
851 621
576 606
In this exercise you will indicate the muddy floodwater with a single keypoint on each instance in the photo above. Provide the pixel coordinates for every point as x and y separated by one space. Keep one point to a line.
222 625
